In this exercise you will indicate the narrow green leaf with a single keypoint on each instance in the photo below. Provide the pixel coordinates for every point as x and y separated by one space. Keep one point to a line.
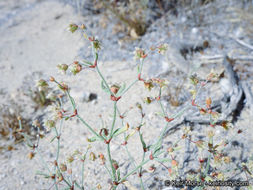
53 139
120 130
104 87
118 174
142 142
163 160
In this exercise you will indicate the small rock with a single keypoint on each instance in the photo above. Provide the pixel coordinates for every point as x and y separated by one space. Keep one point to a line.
22 182
225 86
194 30
133 34
84 96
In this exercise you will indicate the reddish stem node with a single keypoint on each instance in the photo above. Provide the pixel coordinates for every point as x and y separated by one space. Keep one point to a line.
169 119
115 183
107 141
74 114
193 103
139 77
94 65
113 98
158 98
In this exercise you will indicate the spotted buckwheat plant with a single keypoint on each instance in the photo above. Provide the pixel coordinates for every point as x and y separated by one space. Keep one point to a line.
212 155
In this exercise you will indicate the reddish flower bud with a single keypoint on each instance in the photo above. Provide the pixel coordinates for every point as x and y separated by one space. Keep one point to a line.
208 102
174 163
151 156
52 79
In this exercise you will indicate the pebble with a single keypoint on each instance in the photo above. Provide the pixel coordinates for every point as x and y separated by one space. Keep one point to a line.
2 176
84 96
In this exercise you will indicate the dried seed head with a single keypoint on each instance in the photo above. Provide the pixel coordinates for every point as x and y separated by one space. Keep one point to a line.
92 156
149 85
63 167
114 89
31 155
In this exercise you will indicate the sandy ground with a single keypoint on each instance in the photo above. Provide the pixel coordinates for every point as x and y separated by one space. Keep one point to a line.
32 41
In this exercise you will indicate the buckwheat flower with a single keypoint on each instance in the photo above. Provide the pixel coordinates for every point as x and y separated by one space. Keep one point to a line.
162 49
73 28
42 84
139 53
194 79
97 45
49 124
63 167
70 159
63 68
76 67
114 88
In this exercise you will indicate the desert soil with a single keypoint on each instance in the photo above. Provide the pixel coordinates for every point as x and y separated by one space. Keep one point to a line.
35 39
